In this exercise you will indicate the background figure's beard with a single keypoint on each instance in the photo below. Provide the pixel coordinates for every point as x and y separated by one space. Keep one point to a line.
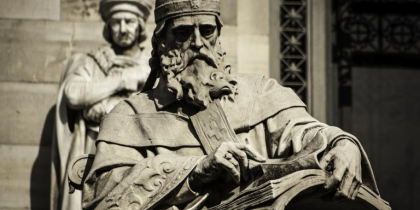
197 76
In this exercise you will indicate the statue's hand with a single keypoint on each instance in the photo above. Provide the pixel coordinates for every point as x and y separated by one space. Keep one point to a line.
111 102
229 157
95 112
344 160
134 78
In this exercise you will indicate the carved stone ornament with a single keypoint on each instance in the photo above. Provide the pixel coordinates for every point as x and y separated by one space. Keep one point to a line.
149 182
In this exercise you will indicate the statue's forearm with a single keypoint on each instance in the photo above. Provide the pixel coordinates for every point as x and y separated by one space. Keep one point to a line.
80 93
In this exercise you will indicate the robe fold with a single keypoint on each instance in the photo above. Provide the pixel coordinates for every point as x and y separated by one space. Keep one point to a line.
90 86
270 118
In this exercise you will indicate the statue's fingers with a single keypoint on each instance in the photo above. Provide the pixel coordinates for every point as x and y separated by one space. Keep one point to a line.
354 190
325 160
338 173
251 152
242 158
358 171
235 163
229 167
346 183
97 117
223 149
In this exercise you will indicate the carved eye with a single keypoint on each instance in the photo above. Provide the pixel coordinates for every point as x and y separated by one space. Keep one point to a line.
182 33
207 30
131 21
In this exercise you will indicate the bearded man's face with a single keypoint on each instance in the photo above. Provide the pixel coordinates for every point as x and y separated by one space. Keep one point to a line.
192 60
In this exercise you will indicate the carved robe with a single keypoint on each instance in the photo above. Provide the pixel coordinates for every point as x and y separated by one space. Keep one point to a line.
90 87
147 146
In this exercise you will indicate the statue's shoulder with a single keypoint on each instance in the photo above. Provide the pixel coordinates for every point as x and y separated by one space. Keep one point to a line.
76 61
258 83
103 57
87 60
136 104
102 52
96 59
251 86
248 78
258 99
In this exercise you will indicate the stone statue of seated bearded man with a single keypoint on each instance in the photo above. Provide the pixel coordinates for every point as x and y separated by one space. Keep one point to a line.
192 142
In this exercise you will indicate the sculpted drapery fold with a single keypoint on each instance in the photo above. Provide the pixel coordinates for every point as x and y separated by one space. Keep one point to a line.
90 87
131 141
138 184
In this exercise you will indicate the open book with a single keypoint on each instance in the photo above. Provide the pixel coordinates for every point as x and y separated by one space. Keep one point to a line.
283 190
278 181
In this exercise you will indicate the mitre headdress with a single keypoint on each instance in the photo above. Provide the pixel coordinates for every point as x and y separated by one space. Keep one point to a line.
167 9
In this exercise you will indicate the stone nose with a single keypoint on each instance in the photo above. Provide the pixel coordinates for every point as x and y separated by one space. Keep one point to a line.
216 75
197 41
123 27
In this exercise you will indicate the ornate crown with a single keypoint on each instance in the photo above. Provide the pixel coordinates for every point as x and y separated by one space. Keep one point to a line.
166 9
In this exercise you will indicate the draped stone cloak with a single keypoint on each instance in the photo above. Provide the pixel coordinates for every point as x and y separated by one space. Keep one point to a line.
147 145
74 133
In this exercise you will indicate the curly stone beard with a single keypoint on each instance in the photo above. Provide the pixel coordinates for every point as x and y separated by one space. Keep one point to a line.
199 77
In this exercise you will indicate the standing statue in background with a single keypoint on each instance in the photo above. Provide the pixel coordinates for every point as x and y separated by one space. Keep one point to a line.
93 84
206 138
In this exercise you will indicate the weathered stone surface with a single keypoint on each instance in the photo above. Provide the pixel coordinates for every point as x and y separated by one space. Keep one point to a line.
24 177
34 9
253 37
253 17
253 57
229 12
28 117
38 51
86 10
80 10
230 44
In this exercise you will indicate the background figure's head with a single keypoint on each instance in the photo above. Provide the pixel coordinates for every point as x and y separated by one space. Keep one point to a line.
124 21
187 53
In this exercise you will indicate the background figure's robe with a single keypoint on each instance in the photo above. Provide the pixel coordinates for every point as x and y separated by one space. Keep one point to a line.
150 132
90 81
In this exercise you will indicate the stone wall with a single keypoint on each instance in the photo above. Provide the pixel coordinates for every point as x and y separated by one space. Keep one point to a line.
37 38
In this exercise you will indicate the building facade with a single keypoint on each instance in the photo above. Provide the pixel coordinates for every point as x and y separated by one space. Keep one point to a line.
354 62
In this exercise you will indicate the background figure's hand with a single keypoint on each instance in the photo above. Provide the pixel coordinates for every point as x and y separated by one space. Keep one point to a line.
111 102
344 160
95 112
134 78
229 157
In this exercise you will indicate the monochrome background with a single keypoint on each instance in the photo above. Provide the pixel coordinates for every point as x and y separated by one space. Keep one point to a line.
354 62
